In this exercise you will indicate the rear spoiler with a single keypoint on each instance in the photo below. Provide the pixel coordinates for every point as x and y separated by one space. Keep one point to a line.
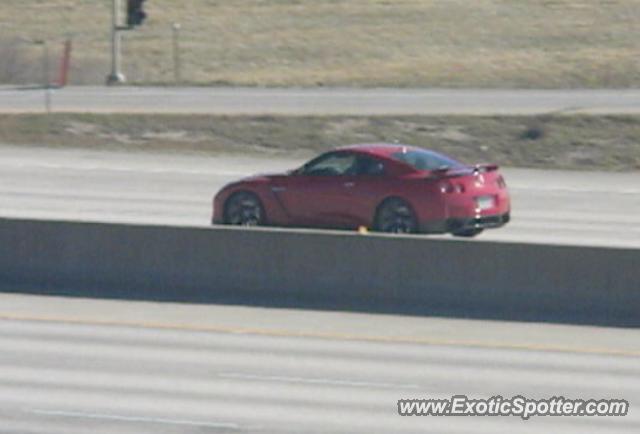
448 172
483 168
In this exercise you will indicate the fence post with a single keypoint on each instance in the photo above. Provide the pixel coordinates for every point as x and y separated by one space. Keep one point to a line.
177 64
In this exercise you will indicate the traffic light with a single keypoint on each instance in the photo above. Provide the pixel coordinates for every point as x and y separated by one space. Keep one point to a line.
135 14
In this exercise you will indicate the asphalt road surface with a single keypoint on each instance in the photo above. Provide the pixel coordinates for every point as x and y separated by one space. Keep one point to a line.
319 101
584 208
79 366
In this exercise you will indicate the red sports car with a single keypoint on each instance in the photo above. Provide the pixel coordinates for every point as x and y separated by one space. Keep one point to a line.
385 187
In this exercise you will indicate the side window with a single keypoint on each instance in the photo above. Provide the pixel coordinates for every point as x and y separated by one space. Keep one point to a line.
331 165
369 166
425 160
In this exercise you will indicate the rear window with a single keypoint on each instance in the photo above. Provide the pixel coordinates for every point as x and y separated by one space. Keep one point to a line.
421 159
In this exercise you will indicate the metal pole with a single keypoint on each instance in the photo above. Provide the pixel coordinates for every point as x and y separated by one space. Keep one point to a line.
177 64
116 76
47 77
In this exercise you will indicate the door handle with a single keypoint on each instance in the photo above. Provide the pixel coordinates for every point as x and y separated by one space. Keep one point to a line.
349 184
278 189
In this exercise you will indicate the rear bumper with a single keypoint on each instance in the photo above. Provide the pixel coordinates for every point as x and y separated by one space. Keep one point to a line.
460 224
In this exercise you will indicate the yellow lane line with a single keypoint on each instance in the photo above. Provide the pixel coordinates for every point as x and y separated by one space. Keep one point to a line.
327 335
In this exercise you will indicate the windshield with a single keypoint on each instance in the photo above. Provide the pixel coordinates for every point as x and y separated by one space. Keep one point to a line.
421 159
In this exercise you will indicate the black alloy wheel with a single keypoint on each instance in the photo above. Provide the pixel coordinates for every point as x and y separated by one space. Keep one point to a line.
396 216
243 209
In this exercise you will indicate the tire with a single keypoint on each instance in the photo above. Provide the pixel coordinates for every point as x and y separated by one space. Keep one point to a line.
244 209
468 233
395 216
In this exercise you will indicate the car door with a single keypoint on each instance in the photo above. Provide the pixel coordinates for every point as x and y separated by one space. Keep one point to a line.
315 195
366 189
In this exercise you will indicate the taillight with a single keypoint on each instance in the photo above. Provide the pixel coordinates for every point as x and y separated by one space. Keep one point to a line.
451 187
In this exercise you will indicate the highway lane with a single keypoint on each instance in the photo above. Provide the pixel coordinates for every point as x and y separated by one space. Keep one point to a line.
320 101
76 366
585 208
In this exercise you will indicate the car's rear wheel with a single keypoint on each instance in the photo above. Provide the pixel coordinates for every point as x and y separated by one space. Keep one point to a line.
468 233
395 216
244 209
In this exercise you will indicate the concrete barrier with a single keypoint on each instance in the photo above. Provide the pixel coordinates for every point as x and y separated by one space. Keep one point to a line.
323 269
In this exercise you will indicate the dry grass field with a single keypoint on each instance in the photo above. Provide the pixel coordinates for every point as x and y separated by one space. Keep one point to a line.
562 142
440 43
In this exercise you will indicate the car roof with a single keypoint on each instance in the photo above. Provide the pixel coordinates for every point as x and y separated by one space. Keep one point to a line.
377 149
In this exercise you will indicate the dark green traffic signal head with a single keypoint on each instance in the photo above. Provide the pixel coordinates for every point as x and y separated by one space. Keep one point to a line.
135 13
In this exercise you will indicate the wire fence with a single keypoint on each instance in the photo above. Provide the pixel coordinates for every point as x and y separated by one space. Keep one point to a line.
32 61
404 43
39 62
19 64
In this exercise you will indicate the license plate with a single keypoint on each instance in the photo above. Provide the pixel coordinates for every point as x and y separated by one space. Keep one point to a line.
485 202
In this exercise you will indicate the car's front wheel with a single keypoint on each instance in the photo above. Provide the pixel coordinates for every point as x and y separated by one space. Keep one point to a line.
395 216
244 209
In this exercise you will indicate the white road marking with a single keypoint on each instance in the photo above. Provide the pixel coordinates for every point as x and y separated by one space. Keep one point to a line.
589 189
328 381
139 169
80 415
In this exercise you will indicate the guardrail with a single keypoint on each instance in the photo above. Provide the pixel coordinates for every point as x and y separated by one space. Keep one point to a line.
323 269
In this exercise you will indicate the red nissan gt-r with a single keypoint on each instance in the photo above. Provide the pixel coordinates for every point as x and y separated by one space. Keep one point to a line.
385 187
